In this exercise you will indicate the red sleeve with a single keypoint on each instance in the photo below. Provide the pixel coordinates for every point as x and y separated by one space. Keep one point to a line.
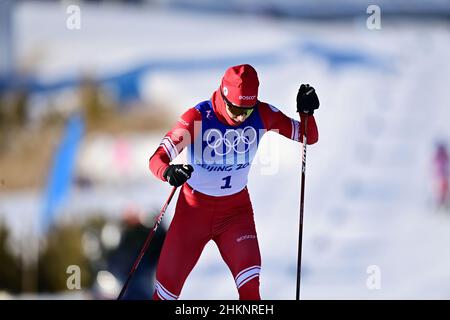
274 119
181 135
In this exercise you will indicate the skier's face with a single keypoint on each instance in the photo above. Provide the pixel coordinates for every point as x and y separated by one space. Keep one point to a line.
238 114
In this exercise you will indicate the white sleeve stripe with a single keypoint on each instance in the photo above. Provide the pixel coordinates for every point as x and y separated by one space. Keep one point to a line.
293 129
164 293
172 144
170 148
296 130
167 151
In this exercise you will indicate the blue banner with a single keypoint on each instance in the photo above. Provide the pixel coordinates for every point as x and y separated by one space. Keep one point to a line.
61 172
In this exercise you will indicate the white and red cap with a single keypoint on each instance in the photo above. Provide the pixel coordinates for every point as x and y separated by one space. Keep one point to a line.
240 85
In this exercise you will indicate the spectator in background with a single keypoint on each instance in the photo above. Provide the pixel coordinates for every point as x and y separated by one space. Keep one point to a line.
441 176
119 262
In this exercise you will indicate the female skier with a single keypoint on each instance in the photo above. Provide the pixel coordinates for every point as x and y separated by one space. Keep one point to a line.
222 136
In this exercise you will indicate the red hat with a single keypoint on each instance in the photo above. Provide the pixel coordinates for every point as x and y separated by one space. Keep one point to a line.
240 85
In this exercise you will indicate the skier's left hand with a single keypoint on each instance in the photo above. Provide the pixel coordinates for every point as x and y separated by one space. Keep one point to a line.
307 100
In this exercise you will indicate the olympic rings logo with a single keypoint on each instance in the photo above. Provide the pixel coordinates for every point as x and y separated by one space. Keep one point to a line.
237 140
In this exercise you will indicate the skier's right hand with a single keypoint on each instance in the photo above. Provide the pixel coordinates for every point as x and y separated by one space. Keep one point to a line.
177 174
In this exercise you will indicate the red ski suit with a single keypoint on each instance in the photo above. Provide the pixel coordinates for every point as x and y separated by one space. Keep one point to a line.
223 211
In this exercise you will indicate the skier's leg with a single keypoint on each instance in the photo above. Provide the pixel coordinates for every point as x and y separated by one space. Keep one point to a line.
238 245
187 235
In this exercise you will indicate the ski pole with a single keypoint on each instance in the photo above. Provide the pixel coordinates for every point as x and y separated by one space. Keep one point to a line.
302 199
146 244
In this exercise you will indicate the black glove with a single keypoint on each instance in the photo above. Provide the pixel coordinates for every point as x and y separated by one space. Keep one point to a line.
307 100
177 174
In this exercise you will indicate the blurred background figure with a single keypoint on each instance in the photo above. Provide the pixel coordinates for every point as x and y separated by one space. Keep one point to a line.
120 261
441 176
